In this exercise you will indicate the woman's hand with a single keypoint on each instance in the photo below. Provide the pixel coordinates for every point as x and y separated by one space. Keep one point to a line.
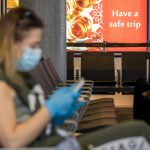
63 104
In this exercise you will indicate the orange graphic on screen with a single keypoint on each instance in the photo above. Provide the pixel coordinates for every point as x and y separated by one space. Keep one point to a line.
83 21
79 27
75 7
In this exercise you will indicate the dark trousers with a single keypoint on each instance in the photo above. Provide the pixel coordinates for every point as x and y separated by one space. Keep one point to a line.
141 106
99 137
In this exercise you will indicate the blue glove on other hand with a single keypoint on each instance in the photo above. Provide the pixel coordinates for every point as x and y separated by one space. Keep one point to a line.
62 104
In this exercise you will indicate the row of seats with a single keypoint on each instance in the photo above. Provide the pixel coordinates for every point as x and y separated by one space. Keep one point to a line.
100 68
95 114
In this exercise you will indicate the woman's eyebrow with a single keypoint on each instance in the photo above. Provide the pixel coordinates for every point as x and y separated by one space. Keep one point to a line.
36 43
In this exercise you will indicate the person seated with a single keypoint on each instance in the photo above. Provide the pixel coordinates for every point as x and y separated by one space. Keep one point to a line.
142 100
22 124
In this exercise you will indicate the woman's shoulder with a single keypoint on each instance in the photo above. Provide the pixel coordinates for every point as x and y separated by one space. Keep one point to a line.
3 84
6 89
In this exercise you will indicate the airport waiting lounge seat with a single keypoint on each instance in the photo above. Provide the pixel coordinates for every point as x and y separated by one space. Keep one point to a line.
44 72
101 114
133 67
49 66
42 77
56 81
99 67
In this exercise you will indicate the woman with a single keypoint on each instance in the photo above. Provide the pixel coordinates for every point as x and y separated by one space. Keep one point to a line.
20 36
20 124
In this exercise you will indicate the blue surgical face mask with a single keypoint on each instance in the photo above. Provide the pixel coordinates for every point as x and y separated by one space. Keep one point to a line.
29 59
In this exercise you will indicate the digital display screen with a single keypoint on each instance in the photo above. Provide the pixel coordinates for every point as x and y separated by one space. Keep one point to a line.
119 21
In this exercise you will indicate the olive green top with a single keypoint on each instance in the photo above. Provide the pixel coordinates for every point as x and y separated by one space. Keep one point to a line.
25 94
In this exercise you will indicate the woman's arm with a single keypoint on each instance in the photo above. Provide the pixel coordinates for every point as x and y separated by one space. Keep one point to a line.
18 135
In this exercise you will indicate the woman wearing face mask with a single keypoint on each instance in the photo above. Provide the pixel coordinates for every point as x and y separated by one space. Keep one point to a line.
20 36
20 125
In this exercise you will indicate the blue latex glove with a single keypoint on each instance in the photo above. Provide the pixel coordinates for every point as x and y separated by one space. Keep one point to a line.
59 120
62 104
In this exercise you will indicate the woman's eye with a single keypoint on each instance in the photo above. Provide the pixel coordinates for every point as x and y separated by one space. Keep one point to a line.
34 46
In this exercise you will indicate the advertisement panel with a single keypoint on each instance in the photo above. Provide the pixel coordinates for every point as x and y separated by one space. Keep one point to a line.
120 21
